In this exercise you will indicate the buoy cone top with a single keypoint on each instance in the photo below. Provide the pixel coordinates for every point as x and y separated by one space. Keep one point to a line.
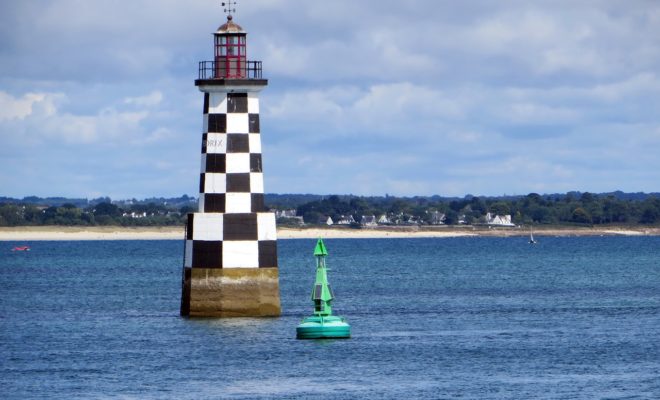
320 249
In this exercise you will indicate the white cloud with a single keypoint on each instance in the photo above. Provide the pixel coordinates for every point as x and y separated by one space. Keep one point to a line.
150 100
633 86
539 113
380 110
21 107
310 105
405 100
108 128
44 121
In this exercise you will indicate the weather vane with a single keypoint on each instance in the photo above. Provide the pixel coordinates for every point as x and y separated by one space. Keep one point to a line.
230 7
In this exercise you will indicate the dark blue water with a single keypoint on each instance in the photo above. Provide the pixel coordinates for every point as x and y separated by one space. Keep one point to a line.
474 318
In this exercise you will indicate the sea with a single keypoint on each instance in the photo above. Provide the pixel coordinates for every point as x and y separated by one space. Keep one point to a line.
435 318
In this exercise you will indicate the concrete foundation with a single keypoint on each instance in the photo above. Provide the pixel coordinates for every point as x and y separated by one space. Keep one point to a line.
230 292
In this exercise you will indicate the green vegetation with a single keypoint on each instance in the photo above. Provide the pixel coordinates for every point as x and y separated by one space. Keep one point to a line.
558 209
33 211
572 208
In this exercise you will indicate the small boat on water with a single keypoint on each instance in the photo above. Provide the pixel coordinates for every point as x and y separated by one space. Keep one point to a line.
531 237
21 248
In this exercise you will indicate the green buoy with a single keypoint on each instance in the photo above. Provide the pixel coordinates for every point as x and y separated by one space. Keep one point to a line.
322 325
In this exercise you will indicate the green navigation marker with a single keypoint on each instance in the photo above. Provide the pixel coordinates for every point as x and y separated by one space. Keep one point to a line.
322 324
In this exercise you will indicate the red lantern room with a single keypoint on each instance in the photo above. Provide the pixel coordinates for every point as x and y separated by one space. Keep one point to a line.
230 63
230 51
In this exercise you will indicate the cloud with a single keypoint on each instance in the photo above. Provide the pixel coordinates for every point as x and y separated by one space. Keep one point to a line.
376 111
150 100
76 150
364 97
43 121
21 107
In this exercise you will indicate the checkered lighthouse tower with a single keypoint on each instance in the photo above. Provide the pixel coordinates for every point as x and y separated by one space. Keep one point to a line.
230 263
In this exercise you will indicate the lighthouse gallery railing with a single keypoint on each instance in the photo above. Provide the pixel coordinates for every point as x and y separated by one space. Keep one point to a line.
249 70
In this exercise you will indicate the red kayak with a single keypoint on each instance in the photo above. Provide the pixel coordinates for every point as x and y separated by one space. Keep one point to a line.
21 248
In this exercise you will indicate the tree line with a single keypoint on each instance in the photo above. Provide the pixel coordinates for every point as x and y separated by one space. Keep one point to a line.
565 209
557 209
106 213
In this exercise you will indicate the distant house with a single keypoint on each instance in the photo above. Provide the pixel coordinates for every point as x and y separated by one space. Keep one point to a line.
325 220
397 219
383 220
436 218
288 217
368 220
499 220
135 214
285 213
412 220
345 220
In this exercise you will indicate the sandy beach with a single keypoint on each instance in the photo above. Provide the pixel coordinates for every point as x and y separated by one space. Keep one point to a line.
177 233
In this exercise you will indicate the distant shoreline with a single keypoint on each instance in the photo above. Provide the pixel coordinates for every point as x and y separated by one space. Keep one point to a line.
37 233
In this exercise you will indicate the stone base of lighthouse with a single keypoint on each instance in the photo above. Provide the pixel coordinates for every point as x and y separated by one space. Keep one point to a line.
230 266
230 292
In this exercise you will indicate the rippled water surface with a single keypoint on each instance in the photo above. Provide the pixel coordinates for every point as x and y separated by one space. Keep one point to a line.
482 318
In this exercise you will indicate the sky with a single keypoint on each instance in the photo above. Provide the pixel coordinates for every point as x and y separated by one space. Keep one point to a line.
369 97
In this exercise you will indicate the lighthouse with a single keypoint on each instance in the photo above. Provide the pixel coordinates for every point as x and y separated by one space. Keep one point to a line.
230 262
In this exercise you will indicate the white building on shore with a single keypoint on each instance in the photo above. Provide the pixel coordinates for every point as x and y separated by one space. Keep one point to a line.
499 220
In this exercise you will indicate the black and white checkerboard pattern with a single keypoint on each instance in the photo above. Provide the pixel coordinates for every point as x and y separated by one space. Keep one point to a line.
231 229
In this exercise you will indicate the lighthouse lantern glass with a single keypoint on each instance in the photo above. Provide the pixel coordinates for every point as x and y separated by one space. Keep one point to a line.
230 55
